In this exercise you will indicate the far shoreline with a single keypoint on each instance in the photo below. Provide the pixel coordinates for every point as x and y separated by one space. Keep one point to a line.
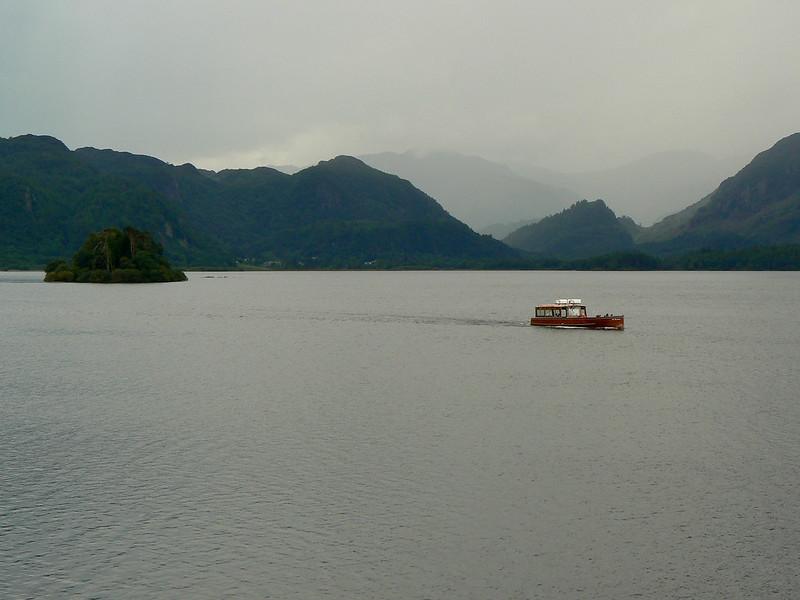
452 270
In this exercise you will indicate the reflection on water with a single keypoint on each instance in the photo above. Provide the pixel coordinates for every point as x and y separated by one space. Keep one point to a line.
399 435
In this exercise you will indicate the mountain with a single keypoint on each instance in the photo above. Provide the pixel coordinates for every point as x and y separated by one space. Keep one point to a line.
339 210
344 210
338 213
501 230
484 194
477 191
50 200
647 189
583 230
760 205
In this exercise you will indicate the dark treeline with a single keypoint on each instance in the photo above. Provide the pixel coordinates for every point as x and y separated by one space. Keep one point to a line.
772 258
342 214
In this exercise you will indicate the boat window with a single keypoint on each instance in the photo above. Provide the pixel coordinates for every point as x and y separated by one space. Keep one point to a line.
557 312
574 311
548 312
539 312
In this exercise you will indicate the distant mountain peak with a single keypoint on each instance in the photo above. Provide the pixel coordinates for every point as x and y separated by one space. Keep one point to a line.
648 188
32 140
478 191
598 204
117 154
790 140
344 161
587 228
758 205
339 213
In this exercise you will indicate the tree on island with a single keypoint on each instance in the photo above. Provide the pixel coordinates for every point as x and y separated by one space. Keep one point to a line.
114 256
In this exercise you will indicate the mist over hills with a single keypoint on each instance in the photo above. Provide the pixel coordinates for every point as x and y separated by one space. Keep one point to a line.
648 188
496 198
759 206
475 190
342 213
338 213
585 229
500 231
288 169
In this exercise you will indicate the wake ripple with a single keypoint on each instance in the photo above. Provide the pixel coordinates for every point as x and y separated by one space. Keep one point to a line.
418 319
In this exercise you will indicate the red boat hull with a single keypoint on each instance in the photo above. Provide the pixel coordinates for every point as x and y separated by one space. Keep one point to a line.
610 322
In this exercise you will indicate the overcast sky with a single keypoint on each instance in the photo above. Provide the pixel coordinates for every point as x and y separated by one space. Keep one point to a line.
564 84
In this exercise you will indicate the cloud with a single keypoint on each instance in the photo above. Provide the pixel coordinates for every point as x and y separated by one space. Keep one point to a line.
567 85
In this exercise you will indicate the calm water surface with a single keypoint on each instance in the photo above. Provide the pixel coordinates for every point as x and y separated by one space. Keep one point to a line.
400 435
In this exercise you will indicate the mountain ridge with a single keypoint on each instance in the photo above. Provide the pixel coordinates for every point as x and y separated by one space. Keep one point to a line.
757 206
475 190
583 230
648 188
760 204
340 212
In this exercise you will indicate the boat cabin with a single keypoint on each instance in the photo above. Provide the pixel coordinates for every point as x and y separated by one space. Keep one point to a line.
570 313
562 308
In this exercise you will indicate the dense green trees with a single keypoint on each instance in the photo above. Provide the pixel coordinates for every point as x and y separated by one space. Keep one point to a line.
761 258
584 229
342 214
766 258
339 212
114 256
758 206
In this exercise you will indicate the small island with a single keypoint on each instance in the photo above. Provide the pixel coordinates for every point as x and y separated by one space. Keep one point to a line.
114 256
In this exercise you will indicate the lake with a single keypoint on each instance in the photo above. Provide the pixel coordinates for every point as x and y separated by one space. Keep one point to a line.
400 435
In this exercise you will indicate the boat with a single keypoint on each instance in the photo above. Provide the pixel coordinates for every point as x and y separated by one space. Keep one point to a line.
571 313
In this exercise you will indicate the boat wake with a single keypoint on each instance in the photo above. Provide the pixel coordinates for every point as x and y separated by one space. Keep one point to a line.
419 319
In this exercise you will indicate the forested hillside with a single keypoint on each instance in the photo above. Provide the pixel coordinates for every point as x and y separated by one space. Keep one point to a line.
339 213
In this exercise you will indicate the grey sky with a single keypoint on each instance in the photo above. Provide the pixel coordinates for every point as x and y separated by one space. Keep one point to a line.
569 85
